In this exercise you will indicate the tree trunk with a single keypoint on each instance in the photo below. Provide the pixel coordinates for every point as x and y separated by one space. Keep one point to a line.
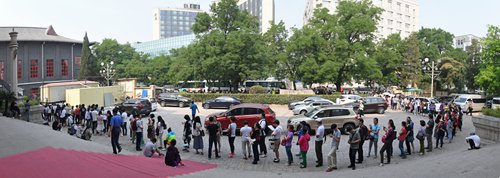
294 85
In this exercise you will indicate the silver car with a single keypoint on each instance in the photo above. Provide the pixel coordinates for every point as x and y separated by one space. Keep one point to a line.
305 108
342 116
292 105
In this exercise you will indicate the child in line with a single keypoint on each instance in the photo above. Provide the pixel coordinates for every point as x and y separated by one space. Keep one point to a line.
304 146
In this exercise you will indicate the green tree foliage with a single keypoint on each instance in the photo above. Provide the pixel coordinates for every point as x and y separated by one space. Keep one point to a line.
489 73
452 72
472 64
433 42
411 66
389 58
88 65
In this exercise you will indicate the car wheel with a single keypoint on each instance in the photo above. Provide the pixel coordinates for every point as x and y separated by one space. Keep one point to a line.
206 106
344 129
303 112
181 104
381 110
163 104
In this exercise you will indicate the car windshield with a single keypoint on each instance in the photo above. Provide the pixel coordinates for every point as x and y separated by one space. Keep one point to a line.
310 114
460 100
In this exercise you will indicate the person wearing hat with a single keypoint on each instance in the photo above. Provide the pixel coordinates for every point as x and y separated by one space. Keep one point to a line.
474 141
318 142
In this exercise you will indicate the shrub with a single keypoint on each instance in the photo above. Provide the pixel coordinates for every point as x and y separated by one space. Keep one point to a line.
257 89
491 112
257 98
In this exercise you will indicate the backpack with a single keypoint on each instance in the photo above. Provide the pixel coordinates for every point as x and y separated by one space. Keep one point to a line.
267 130
133 125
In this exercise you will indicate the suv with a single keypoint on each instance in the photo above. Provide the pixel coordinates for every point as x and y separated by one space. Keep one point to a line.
244 112
373 105
136 106
348 99
173 99
342 116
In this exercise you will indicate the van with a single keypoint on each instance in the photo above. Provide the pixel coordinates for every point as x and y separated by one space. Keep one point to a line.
477 102
496 103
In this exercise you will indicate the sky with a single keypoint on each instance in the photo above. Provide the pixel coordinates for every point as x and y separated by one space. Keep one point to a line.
132 20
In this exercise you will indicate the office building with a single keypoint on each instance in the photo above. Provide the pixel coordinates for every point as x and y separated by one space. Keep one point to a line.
262 9
464 41
171 22
43 57
163 46
399 16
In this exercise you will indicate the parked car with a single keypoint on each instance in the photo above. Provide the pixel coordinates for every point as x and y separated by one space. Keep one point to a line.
292 105
243 112
136 106
154 104
348 99
221 102
342 116
323 90
173 99
432 100
302 109
373 105
445 99
495 103
477 102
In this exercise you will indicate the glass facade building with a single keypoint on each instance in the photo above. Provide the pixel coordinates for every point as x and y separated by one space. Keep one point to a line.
163 46
171 22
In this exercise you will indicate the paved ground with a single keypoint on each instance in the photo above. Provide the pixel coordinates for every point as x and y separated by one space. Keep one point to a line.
452 161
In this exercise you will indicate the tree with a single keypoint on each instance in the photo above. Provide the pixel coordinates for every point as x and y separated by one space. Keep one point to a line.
489 73
275 41
88 65
433 42
451 72
473 63
411 69
389 58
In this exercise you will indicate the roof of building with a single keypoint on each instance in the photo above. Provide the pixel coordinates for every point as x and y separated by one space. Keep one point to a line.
34 34
85 82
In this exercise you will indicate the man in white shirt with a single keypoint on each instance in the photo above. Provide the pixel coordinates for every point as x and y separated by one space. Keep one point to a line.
332 156
474 141
318 142
150 148
124 126
139 134
94 120
62 117
277 135
262 144
245 140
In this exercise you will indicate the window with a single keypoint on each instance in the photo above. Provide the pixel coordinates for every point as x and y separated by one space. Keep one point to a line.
19 70
64 67
407 8
400 16
251 111
324 113
339 112
399 24
407 26
389 21
1 70
35 91
235 112
399 6
50 68
78 61
34 68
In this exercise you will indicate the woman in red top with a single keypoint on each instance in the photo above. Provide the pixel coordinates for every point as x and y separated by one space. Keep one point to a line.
402 138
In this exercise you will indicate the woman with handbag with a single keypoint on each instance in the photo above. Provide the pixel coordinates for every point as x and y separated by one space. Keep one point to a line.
287 142
387 139
198 134
421 137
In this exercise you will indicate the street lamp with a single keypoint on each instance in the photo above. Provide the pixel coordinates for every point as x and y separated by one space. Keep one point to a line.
432 71
107 71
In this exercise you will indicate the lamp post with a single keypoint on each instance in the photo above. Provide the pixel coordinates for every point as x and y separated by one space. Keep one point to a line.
432 70
107 71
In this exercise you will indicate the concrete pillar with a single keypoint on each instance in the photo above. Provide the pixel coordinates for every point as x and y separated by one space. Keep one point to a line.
13 49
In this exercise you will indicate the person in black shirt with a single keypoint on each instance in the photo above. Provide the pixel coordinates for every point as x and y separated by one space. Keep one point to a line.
255 136
212 128
363 133
172 157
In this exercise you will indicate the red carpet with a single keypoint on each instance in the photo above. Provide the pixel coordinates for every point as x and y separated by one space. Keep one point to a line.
51 162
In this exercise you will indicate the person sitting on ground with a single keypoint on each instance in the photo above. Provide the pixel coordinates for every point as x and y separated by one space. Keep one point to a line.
474 141
87 133
172 157
150 148
56 125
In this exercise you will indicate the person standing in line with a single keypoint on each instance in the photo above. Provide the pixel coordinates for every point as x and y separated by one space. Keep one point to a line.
94 114
361 108
194 108
421 137
138 132
150 126
245 132
231 134
124 126
304 146
441 130
115 124
160 126
469 106
353 141
255 136
363 133
77 114
332 156
197 135
277 136
429 129
219 133
402 138
263 133
410 136
212 128
449 129
318 142
288 144
187 132
374 130
387 139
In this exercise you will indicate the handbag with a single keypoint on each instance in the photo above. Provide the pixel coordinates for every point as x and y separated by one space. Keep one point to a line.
202 133
283 142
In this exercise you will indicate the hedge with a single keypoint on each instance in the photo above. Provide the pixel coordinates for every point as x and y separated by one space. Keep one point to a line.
491 112
257 98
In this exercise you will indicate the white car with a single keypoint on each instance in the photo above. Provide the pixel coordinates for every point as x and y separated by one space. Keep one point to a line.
154 104
305 108
348 99
292 105
496 103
